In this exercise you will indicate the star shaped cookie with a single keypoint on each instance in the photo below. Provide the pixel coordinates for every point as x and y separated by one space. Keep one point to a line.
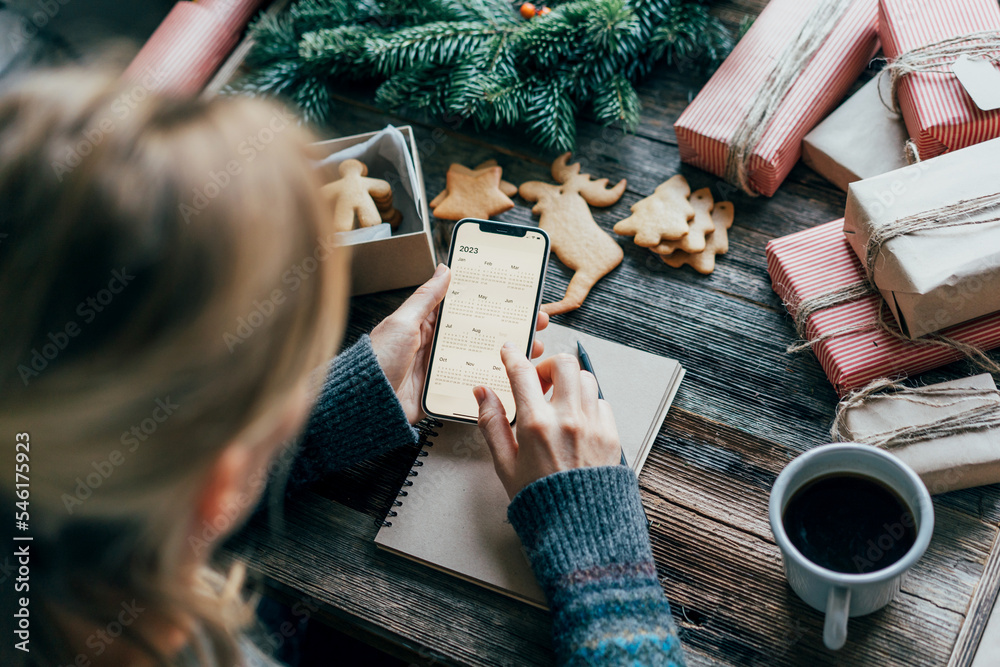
474 193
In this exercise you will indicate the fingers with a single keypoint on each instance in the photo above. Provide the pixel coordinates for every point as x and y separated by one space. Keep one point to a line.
524 383
424 301
496 431
538 347
562 371
588 392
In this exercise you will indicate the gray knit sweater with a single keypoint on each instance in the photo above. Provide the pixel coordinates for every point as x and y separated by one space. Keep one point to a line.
583 530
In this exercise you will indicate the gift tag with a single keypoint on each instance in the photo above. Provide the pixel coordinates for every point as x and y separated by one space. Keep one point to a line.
981 80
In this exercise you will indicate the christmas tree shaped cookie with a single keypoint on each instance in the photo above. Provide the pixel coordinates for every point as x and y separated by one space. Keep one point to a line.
701 226
717 243
662 216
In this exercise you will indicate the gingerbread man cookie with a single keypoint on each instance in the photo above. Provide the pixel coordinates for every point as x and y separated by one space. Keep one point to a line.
357 198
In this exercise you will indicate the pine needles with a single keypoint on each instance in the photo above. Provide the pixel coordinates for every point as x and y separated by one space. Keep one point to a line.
479 60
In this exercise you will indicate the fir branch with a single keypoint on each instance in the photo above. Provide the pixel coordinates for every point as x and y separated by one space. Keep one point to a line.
650 14
505 101
309 15
341 51
417 12
551 114
465 93
275 38
478 59
278 79
420 88
690 34
618 103
554 38
314 101
612 27
440 42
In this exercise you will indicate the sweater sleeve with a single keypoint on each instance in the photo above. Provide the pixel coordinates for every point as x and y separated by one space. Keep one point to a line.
357 416
585 534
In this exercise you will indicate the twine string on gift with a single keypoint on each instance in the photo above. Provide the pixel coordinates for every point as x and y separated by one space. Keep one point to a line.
805 308
858 290
980 417
950 215
932 58
789 63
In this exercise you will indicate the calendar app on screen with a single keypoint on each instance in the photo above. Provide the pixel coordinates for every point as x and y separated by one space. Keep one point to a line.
492 299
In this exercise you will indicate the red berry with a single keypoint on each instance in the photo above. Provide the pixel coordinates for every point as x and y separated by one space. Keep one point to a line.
527 10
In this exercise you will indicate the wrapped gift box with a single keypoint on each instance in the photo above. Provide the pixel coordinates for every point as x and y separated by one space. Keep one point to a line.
820 260
936 278
939 113
945 464
860 139
190 45
706 126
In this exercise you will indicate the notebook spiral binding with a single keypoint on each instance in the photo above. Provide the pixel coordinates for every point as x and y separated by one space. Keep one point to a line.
426 430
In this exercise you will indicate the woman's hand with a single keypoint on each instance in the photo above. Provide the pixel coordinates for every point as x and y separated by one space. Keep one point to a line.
402 341
573 430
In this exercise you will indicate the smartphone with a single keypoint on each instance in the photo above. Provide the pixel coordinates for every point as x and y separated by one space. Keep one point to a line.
497 272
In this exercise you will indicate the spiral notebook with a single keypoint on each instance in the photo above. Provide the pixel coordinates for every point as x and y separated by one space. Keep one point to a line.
451 514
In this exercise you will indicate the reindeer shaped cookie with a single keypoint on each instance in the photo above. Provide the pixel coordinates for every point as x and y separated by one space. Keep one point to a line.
576 239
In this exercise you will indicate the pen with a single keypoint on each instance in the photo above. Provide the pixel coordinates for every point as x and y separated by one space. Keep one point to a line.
587 366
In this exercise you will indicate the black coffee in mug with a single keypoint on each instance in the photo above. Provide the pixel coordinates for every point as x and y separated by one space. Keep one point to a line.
849 523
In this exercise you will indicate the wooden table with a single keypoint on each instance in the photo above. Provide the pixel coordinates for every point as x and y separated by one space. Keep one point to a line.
745 409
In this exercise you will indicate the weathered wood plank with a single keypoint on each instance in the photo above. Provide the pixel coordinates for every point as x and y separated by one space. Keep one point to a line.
980 608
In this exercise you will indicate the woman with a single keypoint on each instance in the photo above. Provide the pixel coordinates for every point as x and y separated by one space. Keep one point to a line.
166 300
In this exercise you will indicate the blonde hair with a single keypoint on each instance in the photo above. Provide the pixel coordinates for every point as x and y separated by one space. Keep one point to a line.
167 280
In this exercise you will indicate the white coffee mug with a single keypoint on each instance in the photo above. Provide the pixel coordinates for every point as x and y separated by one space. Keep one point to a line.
838 594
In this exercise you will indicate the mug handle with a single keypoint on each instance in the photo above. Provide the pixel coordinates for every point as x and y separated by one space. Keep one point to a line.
838 604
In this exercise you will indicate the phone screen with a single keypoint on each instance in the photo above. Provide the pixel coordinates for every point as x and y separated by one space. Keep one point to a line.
497 271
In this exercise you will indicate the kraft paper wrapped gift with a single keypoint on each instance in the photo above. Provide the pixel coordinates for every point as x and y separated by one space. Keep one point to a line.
705 128
940 115
936 278
860 139
819 260
944 464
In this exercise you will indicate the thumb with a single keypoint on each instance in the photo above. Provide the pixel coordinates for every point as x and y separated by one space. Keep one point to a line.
427 297
496 430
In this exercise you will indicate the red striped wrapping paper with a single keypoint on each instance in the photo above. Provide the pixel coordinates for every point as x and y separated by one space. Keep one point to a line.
819 260
704 129
190 44
940 116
